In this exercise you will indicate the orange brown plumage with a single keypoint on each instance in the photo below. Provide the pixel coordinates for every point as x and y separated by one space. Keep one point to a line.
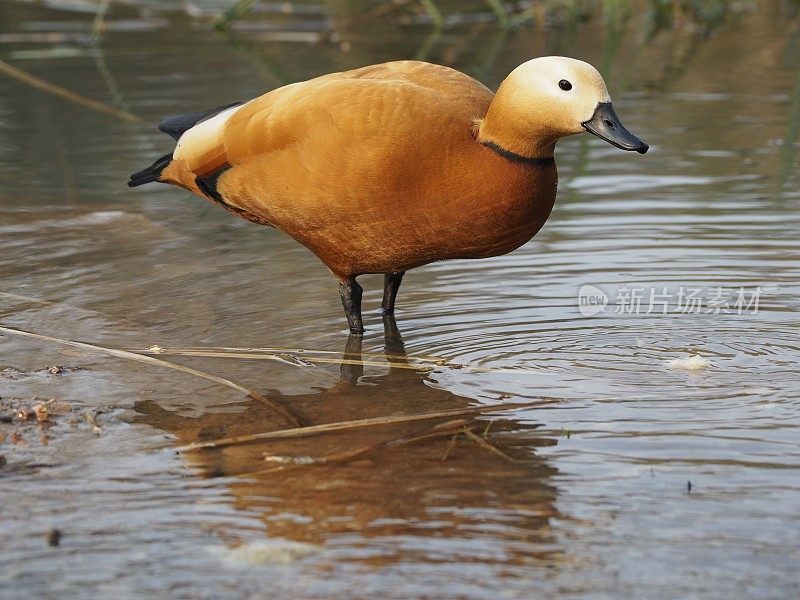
388 167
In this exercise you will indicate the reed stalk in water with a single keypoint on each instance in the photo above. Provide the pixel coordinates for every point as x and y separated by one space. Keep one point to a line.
369 422
57 90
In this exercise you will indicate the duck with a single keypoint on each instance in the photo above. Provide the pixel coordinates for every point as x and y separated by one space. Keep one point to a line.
389 167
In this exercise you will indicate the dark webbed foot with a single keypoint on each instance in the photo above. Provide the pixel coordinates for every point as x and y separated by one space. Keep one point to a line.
391 283
351 293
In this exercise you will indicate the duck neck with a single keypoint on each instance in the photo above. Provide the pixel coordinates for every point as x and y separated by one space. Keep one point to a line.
518 140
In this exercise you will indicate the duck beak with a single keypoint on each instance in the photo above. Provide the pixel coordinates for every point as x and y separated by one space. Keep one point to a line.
606 125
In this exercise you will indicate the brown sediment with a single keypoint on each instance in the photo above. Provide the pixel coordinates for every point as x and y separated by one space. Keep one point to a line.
281 410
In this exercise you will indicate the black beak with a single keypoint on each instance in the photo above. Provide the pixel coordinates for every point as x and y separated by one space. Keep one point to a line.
606 125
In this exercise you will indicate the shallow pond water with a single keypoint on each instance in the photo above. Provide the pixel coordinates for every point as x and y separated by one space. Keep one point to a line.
646 480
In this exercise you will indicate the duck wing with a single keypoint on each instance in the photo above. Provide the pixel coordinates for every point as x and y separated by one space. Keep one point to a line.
351 100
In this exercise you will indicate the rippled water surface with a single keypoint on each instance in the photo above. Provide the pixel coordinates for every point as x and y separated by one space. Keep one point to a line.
646 481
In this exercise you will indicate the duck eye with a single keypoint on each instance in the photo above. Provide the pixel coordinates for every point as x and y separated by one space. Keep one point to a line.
565 85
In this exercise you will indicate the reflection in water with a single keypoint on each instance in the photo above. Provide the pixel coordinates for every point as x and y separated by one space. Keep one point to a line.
496 498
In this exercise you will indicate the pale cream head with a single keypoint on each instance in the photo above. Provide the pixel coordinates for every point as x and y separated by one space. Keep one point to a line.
537 90
541 101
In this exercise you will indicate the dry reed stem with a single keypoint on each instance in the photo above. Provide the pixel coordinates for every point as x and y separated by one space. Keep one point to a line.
277 407
276 357
57 90
483 443
450 447
340 457
264 354
179 350
450 428
358 423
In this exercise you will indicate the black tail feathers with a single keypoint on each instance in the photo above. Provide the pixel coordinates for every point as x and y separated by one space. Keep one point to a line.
176 126
151 173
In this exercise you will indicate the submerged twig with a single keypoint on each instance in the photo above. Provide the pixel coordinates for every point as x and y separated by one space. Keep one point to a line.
450 446
443 430
358 423
277 407
483 443
57 90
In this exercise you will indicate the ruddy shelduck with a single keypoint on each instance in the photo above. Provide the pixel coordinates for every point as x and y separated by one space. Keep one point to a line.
393 166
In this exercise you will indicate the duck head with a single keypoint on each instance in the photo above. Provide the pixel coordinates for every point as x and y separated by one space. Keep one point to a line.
548 98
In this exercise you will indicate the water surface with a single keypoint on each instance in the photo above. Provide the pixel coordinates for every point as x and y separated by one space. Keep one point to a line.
586 498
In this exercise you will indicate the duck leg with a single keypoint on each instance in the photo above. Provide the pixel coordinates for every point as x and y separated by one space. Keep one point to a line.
391 283
351 292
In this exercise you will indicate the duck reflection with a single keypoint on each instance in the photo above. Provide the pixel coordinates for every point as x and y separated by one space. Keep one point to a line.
485 497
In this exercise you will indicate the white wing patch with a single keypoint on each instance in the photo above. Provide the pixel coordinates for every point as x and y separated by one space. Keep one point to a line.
203 137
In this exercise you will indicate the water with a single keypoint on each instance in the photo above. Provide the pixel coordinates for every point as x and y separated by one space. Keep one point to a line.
595 501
